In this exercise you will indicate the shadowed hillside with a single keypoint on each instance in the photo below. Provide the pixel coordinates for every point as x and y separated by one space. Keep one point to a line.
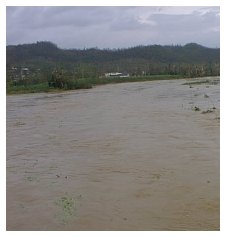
190 53
35 63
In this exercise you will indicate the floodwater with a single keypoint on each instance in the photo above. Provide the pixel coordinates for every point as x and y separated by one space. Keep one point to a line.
131 156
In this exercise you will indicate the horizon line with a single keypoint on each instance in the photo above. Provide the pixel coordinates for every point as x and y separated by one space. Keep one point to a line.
119 48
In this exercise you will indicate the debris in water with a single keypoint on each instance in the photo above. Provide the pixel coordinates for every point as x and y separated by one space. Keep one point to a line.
207 111
196 108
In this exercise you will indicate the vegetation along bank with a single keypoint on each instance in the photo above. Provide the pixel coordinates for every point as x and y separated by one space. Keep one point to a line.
43 67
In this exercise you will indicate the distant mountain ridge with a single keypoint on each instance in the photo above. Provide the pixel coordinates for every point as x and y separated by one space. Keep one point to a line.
48 51
41 59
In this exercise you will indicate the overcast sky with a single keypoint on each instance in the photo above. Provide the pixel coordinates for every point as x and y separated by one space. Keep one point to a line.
113 27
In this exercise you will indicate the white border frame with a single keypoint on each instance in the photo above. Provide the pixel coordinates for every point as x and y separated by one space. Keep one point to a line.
3 5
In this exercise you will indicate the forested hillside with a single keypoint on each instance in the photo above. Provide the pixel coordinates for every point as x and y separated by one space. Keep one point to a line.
36 62
190 53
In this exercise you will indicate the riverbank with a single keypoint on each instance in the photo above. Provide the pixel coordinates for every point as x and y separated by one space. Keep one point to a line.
85 83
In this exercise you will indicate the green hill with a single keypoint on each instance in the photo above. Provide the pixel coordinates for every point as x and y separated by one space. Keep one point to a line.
47 51
35 63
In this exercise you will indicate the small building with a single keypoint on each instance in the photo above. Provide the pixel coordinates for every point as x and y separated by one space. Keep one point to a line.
116 74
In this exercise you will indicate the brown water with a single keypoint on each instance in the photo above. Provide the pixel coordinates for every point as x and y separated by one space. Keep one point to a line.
133 156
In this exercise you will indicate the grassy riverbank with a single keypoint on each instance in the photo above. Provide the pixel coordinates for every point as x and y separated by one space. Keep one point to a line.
85 83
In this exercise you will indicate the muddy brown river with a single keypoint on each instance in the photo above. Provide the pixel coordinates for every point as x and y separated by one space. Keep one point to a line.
131 156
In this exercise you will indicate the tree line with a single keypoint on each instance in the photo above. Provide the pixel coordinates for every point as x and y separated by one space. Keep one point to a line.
44 58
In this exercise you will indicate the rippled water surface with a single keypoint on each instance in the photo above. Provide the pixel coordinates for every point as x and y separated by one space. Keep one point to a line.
133 156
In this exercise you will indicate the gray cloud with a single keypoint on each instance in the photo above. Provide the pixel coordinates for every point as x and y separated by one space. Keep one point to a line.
113 27
201 28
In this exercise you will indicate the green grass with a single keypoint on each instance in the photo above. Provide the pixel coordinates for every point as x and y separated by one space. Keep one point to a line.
196 82
42 87
85 83
100 81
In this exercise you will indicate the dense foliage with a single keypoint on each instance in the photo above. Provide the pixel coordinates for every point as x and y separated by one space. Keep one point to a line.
43 58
